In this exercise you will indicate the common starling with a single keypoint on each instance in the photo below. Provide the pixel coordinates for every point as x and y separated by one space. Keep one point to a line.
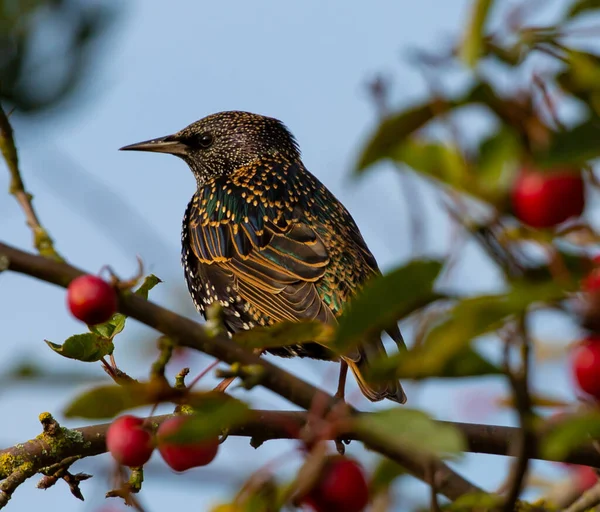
266 239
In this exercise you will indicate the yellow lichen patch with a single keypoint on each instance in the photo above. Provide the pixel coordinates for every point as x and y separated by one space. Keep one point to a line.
8 464
45 417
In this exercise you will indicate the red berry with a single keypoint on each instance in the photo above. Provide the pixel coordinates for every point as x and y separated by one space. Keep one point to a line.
591 283
585 477
586 366
342 487
182 456
545 199
129 442
91 299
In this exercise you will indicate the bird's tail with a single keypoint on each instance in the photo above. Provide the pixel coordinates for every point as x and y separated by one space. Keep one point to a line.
375 391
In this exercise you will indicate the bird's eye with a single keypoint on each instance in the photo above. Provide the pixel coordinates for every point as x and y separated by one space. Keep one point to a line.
199 141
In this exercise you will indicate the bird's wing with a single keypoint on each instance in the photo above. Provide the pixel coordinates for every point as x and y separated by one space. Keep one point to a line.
271 259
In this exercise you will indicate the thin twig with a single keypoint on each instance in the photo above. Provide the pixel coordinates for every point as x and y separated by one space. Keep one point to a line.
434 505
548 102
519 381
41 239
203 373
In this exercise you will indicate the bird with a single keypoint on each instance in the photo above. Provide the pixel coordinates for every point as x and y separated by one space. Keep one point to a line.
265 239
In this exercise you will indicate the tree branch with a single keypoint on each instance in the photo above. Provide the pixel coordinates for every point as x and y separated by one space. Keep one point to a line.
589 499
190 334
265 425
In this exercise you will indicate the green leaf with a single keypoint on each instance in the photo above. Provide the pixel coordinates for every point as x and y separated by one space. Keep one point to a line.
116 324
498 154
411 429
574 147
509 111
109 328
149 282
445 350
213 414
88 347
386 299
394 130
390 140
472 45
385 474
285 333
511 55
437 159
569 434
108 401
489 180
582 73
473 317
581 78
411 365
582 6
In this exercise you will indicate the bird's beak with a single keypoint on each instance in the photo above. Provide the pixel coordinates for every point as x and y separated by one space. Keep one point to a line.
169 144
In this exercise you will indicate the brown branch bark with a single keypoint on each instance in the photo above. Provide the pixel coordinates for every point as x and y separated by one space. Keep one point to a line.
190 334
265 425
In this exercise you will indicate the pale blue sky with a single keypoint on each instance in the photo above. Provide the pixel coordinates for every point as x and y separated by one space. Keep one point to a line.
162 67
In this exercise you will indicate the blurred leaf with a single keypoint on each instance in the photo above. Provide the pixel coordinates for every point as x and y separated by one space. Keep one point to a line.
582 6
386 472
386 299
391 137
410 365
411 429
285 333
569 434
108 401
574 147
88 347
116 324
583 72
581 78
471 47
38 76
444 350
489 180
437 159
469 363
497 154
214 413
514 111
394 130
512 56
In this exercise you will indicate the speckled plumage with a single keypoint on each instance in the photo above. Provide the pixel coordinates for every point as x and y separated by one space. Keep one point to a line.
265 238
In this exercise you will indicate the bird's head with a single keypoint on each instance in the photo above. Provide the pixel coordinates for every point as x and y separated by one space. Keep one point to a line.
221 143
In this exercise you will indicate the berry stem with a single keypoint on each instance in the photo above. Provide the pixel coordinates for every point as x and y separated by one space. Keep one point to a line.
203 373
